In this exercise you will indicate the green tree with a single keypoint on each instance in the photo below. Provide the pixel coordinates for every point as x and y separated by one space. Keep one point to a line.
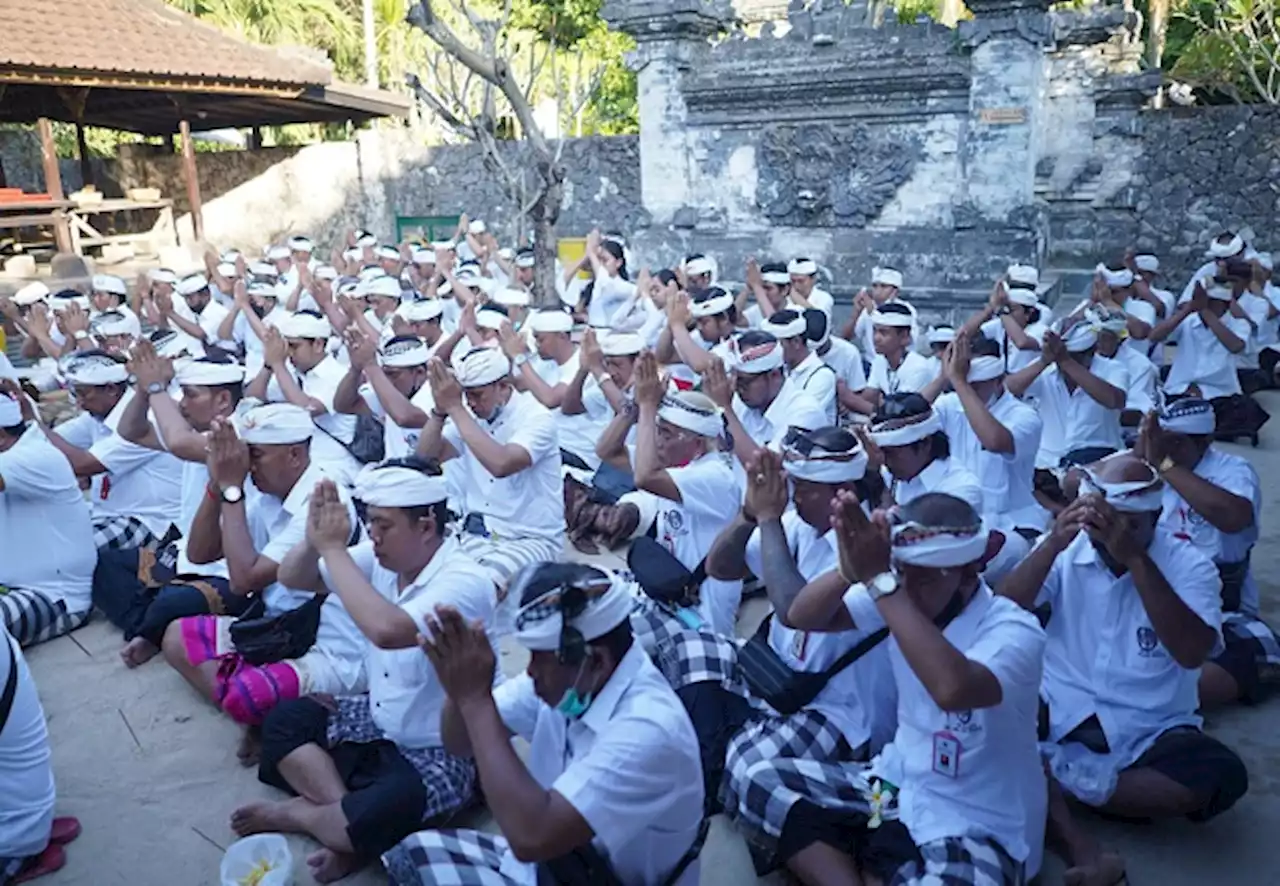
1230 48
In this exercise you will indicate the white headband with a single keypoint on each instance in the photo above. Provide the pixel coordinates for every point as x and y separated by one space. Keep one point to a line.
821 466
409 352
275 424
369 274
907 434
305 326
755 359
444 245
263 269
396 487
793 329
390 253
539 623
226 269
1023 276
60 303
278 253
421 311
326 272
677 409
1081 337
985 368
891 318
621 344
163 275
551 321
477 227
386 287
482 366
717 304
938 547
512 298
1132 497
886 277
1121 278
301 244
525 260
111 323
111 284
1220 293
486 319
942 335
366 240
1189 416
802 267
30 294
10 412
777 278
699 266
1025 297
95 369
1226 250
193 284
208 372
1146 262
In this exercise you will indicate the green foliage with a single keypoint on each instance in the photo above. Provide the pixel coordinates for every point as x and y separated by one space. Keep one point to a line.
1229 47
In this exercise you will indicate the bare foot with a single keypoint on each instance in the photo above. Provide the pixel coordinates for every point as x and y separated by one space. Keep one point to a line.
250 748
259 818
1106 870
327 866
138 651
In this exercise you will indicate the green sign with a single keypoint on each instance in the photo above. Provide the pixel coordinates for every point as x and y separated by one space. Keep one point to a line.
426 228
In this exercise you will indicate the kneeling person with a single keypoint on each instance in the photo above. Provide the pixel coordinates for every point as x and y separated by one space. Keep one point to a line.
371 770
613 781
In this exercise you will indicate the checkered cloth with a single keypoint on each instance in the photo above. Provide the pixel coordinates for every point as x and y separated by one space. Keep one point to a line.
450 781
449 858
504 557
652 625
121 533
689 657
33 617
1239 628
974 861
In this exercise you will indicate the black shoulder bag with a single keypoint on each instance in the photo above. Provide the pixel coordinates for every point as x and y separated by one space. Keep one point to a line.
662 577
368 442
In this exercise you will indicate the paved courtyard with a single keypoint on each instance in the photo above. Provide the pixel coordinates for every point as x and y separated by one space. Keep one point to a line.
152 774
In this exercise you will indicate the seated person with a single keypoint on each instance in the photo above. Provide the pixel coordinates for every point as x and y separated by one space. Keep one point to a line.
913 452
1140 396
253 535
845 361
804 369
895 368
596 391
369 770
31 839
684 481
1013 318
963 769
758 404
1135 615
505 442
1079 395
388 382
612 783
1213 499
713 317
844 710
134 492
46 589
1208 338
143 591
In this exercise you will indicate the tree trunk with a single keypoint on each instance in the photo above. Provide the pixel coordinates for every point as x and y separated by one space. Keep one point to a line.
1157 28
545 213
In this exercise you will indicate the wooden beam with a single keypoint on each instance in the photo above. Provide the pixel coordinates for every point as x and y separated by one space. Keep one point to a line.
86 169
53 182
193 184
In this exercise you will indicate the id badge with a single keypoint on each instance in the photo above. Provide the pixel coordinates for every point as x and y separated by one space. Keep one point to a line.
946 754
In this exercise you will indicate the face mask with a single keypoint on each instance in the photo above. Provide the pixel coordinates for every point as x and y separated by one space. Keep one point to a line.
573 704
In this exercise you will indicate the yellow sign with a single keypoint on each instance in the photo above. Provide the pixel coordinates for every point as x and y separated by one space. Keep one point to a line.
1002 116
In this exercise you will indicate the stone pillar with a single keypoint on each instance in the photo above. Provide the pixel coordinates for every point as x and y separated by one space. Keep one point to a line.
669 34
1006 40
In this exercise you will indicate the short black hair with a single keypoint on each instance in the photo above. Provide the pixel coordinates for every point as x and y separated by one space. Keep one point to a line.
816 324
894 307
939 509
906 404
786 315
15 431
755 337
666 276
773 267
981 346
438 511
617 640
701 295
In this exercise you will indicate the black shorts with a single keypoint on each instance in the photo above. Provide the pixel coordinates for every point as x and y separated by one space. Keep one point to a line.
1202 765
387 798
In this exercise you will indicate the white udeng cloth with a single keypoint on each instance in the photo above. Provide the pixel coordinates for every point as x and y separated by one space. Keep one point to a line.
393 487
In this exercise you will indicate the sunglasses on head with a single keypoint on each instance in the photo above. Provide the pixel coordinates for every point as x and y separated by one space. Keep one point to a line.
835 440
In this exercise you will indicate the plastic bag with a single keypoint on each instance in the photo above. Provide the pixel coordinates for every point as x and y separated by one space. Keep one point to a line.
265 857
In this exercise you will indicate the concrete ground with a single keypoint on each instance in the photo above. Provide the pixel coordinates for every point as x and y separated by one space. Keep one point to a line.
151 771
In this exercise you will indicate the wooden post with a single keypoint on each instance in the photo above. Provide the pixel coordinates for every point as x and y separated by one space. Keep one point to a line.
193 184
86 171
53 183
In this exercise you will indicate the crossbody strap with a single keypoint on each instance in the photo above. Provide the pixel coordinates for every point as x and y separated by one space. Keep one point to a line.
10 685
690 855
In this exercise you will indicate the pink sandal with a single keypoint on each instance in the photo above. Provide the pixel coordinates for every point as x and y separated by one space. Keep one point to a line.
65 830
52 859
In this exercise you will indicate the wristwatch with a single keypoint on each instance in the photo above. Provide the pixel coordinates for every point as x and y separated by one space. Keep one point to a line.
882 585
232 494
1167 464
520 360
80 335
155 388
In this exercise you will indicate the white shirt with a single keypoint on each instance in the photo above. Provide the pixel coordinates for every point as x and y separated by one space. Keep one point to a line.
1015 358
321 382
710 492
1166 298
912 374
791 408
139 482
1103 657
26 771
276 527
945 475
1256 309
1140 396
818 380
1074 420
398 442
1202 360
44 526
1006 478
530 502
993 783
1236 475
580 433
860 700
629 766
864 329
607 295
405 696
243 334
208 319
845 358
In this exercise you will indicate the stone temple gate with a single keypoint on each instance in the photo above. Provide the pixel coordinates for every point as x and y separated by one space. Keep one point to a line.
946 153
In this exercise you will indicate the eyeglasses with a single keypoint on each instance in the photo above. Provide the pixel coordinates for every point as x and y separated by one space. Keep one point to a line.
835 441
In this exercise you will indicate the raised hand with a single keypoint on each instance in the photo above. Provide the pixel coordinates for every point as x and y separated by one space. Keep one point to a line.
863 544
767 493
328 522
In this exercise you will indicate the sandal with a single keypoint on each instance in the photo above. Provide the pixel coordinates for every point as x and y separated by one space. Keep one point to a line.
65 830
52 859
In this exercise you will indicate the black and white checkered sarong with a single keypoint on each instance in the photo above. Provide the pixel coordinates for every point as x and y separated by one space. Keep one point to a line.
449 858
450 781
687 657
1239 628
33 617
652 625
121 533
974 861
